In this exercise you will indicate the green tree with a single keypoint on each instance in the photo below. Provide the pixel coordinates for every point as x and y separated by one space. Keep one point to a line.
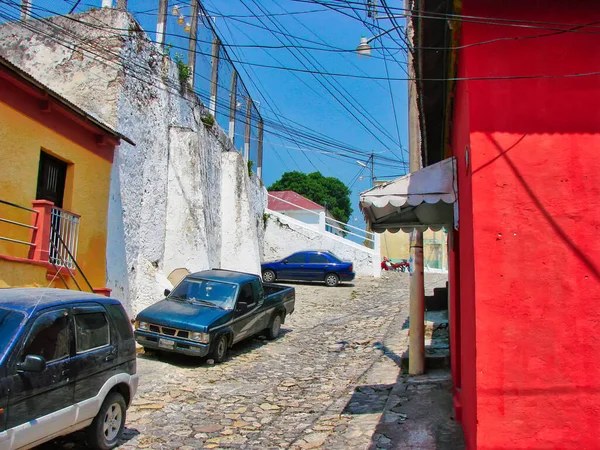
328 191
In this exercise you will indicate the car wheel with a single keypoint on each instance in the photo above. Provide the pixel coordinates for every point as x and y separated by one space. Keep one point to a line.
275 328
220 351
332 280
107 427
268 276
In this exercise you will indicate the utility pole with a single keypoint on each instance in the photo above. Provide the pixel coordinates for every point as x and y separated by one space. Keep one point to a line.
248 127
372 168
25 9
232 105
416 342
161 25
192 44
260 148
214 77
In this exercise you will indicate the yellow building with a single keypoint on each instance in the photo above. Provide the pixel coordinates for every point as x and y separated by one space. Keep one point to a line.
54 187
396 246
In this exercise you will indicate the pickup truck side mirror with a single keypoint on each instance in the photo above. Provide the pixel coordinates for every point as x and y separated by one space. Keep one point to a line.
167 292
285 261
242 306
32 363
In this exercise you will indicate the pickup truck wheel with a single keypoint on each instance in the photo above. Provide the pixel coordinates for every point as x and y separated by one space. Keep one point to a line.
275 328
220 351
107 427
268 276
332 280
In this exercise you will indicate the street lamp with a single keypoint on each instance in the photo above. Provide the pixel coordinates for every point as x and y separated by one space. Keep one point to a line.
364 48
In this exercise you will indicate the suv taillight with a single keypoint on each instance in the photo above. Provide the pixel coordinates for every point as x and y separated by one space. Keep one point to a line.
351 267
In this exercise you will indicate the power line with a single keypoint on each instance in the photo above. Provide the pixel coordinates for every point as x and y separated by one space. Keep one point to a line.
445 16
27 25
322 83
329 143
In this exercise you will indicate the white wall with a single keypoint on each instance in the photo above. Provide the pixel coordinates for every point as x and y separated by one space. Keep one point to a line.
182 197
304 216
285 235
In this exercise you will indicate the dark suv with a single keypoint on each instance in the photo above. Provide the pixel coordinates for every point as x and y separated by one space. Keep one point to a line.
67 362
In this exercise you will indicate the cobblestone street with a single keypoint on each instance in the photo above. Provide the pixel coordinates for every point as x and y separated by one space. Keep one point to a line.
322 384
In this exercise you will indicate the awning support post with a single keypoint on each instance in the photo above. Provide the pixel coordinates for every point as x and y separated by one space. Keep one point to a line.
416 339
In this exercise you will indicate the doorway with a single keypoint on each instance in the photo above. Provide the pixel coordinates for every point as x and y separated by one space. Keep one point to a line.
51 181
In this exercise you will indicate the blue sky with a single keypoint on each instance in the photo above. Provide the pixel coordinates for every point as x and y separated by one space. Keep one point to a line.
300 97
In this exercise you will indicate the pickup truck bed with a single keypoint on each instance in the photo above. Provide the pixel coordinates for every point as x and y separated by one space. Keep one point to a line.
275 294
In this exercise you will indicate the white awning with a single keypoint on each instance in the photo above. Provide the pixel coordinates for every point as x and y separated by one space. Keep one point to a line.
421 200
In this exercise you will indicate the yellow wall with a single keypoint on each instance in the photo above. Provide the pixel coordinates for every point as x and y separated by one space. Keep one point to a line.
397 246
31 275
86 191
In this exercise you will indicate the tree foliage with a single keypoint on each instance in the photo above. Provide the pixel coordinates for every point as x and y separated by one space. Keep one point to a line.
329 191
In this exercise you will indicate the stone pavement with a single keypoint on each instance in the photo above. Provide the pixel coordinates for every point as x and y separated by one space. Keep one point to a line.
324 383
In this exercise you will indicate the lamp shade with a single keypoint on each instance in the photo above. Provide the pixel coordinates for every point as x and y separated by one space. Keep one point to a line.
363 49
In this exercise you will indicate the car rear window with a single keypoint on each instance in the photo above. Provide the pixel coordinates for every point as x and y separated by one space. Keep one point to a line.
315 258
334 257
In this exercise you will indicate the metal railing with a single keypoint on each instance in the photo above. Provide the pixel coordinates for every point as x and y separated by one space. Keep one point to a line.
64 237
330 222
18 224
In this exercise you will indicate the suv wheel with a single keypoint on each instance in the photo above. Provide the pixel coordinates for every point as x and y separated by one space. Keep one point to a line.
332 280
275 328
106 429
268 276
220 351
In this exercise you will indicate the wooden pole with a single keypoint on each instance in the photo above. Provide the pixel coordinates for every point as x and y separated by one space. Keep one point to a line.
416 344
25 9
192 43
232 105
248 127
259 163
214 77
161 25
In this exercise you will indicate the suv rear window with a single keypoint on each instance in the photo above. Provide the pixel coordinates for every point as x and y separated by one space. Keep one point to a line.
121 321
91 331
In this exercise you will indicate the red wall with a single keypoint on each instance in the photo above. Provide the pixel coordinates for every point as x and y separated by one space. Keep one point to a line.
463 306
529 253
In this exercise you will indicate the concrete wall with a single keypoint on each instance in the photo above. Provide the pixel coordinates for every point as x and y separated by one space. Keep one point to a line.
170 205
285 235
528 252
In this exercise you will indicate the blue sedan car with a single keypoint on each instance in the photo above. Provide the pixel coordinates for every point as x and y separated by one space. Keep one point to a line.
309 266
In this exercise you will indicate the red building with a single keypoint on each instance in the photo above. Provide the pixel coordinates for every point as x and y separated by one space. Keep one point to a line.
511 90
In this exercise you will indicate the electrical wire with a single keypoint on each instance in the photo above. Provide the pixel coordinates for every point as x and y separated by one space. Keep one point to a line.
111 61
322 83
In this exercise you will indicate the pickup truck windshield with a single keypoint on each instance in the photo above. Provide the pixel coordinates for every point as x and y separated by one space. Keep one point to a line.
10 321
215 293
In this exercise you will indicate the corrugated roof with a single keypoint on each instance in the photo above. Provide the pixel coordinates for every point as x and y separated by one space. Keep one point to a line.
29 79
284 198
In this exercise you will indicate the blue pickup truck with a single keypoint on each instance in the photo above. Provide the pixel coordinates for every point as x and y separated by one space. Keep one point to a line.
210 311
